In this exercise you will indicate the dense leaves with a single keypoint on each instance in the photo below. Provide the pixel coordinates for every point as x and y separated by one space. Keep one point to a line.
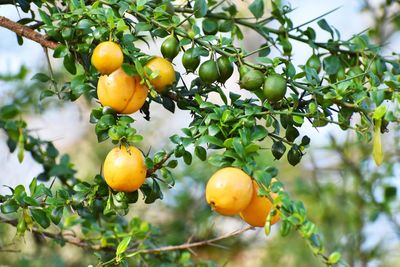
343 79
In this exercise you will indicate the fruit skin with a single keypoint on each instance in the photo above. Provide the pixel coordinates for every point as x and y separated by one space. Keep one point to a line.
252 79
274 87
170 48
190 61
225 69
166 76
229 191
243 70
258 209
124 169
208 71
107 57
121 92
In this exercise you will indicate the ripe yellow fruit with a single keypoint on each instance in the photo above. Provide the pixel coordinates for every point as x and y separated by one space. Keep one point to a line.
124 169
166 73
107 57
229 191
258 209
121 92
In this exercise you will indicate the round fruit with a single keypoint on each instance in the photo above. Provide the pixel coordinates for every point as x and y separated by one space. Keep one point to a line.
258 209
190 60
107 57
252 80
229 191
166 73
208 71
225 69
210 26
124 169
314 63
274 87
121 92
243 70
170 48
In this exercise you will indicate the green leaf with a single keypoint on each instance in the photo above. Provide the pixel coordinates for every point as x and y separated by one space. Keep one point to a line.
257 8
294 155
41 77
9 206
9 111
325 26
60 51
380 112
40 216
200 8
187 157
69 64
123 245
278 149
334 257
46 93
212 140
45 18
331 64
201 153
56 214
33 186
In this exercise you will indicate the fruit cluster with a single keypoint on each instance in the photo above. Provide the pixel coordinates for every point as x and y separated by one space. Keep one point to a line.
230 191
124 167
273 86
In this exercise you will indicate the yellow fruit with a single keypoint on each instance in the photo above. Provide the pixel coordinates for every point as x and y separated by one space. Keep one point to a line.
107 57
121 92
229 191
166 73
258 209
124 169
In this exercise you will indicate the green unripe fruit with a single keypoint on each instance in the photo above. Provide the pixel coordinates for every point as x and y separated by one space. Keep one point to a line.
210 26
225 69
274 88
252 80
170 48
314 62
190 60
243 69
208 71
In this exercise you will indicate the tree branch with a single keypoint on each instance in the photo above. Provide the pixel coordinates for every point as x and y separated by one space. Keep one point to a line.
194 244
158 165
83 244
27 32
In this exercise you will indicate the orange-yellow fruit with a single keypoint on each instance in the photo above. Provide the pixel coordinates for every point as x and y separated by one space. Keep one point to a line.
121 92
229 191
166 73
258 209
107 57
124 169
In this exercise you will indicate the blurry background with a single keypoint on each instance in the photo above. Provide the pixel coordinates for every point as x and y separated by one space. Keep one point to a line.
354 203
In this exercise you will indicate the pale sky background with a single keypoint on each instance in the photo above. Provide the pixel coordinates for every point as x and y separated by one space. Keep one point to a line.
67 126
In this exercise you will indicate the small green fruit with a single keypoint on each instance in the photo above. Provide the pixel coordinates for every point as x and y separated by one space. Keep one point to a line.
170 48
225 68
252 80
208 71
274 88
